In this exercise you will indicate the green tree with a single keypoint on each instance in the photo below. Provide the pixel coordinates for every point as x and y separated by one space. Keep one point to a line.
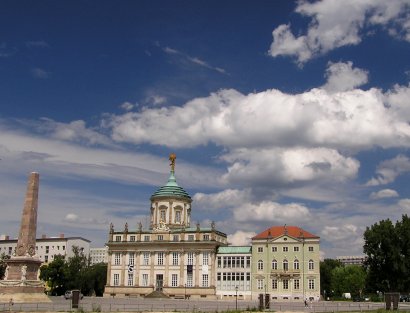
75 270
53 275
326 268
350 278
387 261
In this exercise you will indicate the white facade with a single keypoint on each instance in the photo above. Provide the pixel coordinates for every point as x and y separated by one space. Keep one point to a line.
48 247
98 255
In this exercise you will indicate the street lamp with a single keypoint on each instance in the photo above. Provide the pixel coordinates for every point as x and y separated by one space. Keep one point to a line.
236 298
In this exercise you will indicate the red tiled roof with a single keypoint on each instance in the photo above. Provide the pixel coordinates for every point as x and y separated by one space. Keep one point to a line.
277 231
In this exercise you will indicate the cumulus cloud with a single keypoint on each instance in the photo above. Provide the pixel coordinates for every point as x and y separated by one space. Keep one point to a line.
404 204
271 211
241 238
387 171
343 232
343 77
127 106
223 199
385 193
336 24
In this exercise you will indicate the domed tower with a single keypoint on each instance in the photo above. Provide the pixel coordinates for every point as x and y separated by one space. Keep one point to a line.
170 204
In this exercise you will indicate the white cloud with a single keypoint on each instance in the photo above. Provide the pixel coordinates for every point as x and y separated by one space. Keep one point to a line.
156 100
271 211
343 77
387 171
385 193
404 204
223 199
241 238
71 218
127 106
40 73
336 24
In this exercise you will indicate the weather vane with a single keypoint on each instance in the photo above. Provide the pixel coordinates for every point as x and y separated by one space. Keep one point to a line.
172 158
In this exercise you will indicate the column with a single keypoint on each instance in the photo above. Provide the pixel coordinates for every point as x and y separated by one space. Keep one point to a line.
123 269
166 255
151 274
137 261
109 268
182 269
197 253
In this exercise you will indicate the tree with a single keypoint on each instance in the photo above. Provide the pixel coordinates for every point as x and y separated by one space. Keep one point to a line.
350 278
326 268
53 274
388 251
75 269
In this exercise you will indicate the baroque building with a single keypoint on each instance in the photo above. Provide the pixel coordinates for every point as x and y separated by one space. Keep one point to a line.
172 257
286 264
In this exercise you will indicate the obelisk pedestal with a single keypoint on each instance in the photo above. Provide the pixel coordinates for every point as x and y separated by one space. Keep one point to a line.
21 281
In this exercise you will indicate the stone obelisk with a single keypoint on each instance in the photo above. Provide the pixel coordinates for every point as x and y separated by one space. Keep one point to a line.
21 280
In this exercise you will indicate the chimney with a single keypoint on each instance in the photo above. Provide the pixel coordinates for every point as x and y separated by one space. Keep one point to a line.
61 235
43 236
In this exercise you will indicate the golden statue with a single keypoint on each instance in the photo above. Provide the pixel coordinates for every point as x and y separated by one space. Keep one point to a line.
172 158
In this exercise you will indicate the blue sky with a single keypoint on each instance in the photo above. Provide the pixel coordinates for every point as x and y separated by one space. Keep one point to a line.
279 112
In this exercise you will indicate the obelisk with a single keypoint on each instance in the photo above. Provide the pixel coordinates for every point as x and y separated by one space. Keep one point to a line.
21 281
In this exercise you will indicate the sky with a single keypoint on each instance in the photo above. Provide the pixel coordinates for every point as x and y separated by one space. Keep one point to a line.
279 112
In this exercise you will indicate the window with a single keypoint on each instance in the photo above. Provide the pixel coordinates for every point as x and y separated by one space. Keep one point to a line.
189 281
248 261
47 249
285 265
130 279
190 258
205 258
117 258
175 259
296 249
285 284
219 262
117 238
132 238
178 217
160 237
311 265
311 284
310 249
260 249
145 260
190 237
162 216
131 258
46 258
260 284
204 280
274 284
116 279
175 238
146 238
285 249
274 249
160 260
260 265
296 284
145 280
63 247
274 265
296 264
174 280
206 237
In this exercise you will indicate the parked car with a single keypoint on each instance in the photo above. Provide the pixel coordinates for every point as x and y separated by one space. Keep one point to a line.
404 298
69 294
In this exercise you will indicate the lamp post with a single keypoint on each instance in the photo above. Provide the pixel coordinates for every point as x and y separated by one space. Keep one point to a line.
236 298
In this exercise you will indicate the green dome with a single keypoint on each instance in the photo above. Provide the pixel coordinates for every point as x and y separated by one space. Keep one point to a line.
171 189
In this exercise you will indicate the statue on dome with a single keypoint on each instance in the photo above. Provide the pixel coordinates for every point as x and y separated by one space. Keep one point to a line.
172 158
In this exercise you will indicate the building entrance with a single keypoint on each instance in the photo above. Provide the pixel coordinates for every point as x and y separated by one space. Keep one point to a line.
159 282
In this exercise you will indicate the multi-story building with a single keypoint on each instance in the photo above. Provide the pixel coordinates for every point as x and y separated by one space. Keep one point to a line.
351 260
233 273
98 255
48 247
170 257
285 264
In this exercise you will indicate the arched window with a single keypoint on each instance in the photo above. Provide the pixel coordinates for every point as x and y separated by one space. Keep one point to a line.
296 264
285 265
260 265
311 265
274 264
